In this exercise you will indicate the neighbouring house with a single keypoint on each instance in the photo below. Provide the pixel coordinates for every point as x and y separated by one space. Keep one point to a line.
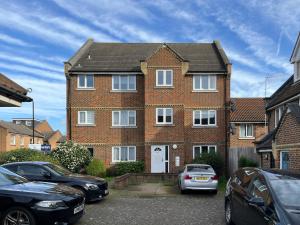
280 148
14 136
11 94
161 103
248 124
51 137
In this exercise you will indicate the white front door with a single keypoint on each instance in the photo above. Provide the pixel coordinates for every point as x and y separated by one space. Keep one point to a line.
158 159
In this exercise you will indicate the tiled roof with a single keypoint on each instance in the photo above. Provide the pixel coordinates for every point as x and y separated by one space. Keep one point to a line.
117 57
295 111
248 110
265 143
288 90
18 129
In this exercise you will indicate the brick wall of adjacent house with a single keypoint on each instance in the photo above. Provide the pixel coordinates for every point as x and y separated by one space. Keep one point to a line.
236 141
3 134
53 140
102 137
43 127
18 145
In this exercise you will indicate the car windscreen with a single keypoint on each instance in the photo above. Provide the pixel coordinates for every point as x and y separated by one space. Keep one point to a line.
9 178
58 170
287 191
195 168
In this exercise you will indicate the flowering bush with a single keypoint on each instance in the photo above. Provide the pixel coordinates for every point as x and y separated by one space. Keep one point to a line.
72 156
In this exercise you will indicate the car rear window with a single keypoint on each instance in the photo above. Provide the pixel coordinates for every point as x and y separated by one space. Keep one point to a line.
200 169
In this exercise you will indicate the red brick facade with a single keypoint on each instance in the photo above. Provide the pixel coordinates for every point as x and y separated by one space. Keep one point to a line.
147 97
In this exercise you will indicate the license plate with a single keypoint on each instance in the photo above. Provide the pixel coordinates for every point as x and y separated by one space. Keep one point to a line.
79 209
201 178
106 191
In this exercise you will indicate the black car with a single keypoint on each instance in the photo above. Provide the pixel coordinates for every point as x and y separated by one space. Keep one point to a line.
263 197
94 188
37 203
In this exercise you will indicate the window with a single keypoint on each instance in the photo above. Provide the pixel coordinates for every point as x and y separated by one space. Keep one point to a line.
204 117
21 140
297 70
123 83
18 122
91 150
85 81
199 149
204 82
164 78
259 189
31 170
278 115
13 140
86 117
123 153
28 123
124 118
246 131
164 116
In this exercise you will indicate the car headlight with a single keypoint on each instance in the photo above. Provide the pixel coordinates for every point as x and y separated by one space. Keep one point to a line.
91 187
50 204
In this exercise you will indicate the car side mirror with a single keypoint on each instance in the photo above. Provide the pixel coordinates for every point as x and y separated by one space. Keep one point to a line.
256 201
46 174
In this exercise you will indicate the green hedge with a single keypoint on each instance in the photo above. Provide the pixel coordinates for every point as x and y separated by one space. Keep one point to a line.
126 167
96 168
245 162
23 154
213 159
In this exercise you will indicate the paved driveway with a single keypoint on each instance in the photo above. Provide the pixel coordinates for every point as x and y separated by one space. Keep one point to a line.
156 204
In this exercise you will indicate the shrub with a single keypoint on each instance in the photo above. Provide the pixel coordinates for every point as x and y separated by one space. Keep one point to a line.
72 156
213 159
96 168
245 162
126 167
23 154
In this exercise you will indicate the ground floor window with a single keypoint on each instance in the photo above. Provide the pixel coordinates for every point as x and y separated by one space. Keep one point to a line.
123 153
91 150
284 160
200 149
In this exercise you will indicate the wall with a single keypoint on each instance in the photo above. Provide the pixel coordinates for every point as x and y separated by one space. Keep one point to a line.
3 134
18 145
54 139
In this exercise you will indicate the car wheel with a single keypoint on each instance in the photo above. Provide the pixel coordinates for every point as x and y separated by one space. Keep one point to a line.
228 213
18 215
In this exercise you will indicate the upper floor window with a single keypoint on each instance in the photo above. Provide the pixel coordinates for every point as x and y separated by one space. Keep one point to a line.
297 70
204 82
164 116
124 83
164 78
28 123
85 81
204 117
246 131
18 122
13 140
124 118
203 149
86 117
123 153
278 115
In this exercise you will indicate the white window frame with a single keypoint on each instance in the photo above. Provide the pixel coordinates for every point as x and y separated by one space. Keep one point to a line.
164 116
279 111
200 146
22 143
85 117
85 81
164 78
205 125
281 157
127 125
119 149
12 139
246 129
209 83
119 78
28 123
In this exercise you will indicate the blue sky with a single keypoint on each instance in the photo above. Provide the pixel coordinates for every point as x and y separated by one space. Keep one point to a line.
37 36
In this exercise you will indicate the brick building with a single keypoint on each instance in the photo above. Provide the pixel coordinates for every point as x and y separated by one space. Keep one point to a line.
281 147
161 103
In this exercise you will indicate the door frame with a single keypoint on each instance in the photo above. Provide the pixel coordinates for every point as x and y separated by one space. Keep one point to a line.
285 151
165 161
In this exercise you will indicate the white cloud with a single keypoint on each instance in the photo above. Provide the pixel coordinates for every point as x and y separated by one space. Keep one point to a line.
14 41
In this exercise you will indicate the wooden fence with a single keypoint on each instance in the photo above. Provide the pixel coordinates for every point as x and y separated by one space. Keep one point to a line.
236 153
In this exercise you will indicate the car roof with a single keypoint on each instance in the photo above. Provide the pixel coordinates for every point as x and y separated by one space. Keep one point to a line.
197 165
276 174
26 162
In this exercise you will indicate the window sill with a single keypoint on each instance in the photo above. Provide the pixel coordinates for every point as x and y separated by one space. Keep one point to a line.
247 138
85 125
208 91
85 89
115 162
164 87
164 125
123 91
205 126
123 127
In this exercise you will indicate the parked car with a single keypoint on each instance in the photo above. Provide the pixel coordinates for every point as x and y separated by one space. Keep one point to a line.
94 188
198 177
260 197
32 203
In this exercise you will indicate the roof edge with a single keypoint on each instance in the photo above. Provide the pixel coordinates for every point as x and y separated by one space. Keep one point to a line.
295 47
221 52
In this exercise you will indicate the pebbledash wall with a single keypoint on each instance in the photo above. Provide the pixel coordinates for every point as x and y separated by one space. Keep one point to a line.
102 136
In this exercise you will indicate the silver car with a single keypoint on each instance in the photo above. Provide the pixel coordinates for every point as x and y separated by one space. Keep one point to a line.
198 177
